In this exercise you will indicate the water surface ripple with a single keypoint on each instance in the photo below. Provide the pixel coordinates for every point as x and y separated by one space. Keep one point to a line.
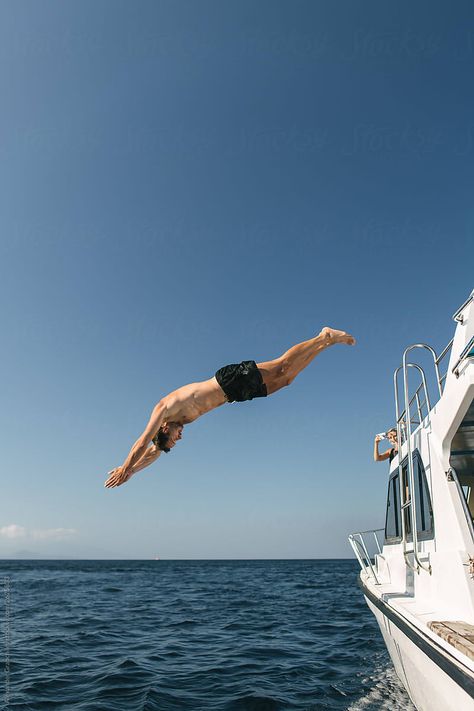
263 635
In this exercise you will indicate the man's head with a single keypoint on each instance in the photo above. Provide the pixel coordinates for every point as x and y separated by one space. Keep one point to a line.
168 434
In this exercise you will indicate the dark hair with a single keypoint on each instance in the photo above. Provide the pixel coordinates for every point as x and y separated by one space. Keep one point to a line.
392 429
161 440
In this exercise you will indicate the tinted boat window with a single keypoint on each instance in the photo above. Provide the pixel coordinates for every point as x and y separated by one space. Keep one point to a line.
392 520
424 513
406 498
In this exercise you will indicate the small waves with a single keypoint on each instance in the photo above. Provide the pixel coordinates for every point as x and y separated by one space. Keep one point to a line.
385 693
195 636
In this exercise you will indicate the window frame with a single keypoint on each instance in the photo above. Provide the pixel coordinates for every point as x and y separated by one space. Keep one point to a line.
394 486
422 490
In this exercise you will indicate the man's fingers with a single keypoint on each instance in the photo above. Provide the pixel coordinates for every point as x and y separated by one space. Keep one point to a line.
110 483
116 478
113 478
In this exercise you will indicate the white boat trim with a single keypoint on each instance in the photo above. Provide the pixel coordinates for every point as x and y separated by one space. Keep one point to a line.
438 654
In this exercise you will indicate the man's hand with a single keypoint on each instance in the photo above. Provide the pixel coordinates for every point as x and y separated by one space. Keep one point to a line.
117 476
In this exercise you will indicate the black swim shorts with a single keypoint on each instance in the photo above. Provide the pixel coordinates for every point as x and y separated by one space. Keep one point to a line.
241 381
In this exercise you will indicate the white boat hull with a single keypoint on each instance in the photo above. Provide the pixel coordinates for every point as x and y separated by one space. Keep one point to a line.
429 687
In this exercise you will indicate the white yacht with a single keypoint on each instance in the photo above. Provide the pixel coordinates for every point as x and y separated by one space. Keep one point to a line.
419 582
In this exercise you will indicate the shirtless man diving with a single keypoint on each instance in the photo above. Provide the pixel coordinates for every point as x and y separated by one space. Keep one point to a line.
236 382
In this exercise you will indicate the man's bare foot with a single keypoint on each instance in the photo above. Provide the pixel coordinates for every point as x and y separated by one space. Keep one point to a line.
332 335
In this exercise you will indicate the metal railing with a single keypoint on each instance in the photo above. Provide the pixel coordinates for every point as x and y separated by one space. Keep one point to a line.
446 351
458 315
422 388
401 417
360 550
468 352
404 422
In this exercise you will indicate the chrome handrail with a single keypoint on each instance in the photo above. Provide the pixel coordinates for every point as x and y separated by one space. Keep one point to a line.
358 545
411 475
404 420
397 405
463 355
442 355
457 316
445 350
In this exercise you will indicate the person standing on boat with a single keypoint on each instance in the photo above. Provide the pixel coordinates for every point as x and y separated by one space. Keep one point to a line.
391 435
232 383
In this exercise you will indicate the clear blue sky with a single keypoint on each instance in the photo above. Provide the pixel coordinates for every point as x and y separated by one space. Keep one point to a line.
188 184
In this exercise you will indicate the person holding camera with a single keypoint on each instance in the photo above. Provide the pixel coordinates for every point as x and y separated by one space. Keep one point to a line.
391 435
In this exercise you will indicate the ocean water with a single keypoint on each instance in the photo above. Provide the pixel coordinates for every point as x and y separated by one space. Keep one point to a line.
200 635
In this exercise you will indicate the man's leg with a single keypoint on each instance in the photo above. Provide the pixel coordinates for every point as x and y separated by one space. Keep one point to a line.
282 371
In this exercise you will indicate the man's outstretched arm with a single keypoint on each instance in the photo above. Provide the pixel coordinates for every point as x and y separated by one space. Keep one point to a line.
150 456
121 474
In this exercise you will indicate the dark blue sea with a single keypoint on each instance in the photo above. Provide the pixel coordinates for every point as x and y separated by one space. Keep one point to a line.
176 635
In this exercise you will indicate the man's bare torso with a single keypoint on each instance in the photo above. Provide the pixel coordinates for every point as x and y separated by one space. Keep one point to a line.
189 402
